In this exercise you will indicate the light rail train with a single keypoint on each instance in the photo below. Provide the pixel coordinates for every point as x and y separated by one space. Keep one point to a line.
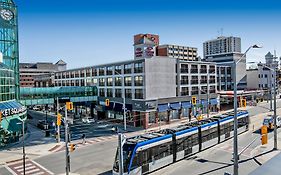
148 152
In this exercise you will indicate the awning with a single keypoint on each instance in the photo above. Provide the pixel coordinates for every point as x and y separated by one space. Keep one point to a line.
175 106
163 107
214 101
186 104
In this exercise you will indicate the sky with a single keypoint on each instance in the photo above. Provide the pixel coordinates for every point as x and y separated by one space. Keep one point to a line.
91 32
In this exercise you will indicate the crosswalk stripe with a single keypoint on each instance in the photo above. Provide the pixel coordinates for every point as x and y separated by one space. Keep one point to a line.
27 168
32 171
21 166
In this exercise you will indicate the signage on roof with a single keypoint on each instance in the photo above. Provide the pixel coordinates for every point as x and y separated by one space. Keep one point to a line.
12 111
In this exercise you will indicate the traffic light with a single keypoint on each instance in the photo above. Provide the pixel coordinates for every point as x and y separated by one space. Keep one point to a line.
106 102
69 105
59 119
193 100
72 147
244 102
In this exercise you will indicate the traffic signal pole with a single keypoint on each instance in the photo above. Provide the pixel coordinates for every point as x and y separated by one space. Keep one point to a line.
57 116
66 144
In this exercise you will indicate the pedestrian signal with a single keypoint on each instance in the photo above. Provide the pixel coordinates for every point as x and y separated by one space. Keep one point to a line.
244 102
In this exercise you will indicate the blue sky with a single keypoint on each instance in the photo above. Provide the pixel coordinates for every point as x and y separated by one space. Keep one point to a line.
89 32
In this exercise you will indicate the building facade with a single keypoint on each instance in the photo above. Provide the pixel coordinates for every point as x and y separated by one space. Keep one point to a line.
155 89
179 52
13 113
29 71
222 45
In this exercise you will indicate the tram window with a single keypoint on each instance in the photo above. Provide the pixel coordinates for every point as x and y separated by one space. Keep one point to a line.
194 139
180 144
136 161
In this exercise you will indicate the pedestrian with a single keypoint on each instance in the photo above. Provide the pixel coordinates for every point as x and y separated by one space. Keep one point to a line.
83 139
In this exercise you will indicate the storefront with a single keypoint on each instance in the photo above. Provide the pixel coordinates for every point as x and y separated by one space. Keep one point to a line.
13 114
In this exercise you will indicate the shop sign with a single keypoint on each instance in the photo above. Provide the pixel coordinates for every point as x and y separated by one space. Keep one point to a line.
138 105
13 111
151 105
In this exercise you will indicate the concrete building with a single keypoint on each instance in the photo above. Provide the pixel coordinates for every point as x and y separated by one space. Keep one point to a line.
260 77
44 80
28 71
180 52
222 45
223 51
156 88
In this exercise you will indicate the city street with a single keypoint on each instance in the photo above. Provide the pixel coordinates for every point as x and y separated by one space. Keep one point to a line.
98 158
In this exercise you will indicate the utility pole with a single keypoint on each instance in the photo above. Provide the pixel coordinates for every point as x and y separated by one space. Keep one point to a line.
66 143
58 131
270 91
124 109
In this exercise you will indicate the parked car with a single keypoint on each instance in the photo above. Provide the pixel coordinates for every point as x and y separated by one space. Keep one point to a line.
88 120
269 121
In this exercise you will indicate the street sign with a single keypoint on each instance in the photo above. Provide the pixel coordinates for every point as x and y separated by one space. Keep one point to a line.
69 105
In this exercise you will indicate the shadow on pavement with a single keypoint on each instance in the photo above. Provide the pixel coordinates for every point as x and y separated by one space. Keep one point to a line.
106 173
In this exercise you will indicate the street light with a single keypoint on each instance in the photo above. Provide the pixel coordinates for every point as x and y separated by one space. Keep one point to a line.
23 145
124 101
235 137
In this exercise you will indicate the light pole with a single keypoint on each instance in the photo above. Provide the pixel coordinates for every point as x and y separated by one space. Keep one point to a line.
274 96
23 145
235 137
124 100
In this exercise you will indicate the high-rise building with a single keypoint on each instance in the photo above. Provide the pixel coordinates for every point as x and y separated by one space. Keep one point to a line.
224 51
221 46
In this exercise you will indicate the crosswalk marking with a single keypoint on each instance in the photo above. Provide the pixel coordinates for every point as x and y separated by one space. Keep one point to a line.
32 171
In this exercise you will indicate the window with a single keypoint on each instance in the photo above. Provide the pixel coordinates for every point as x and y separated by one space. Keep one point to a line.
109 70
138 94
212 89
109 93
101 71
109 81
101 82
194 69
204 90
203 80
184 68
94 72
118 93
194 91
102 93
138 81
203 69
128 69
118 81
212 69
194 79
138 68
184 80
118 70
128 81
184 91
265 75
128 93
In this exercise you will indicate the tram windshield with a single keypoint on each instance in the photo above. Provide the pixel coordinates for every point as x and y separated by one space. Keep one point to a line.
127 153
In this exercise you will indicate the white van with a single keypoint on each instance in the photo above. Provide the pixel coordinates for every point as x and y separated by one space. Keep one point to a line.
268 121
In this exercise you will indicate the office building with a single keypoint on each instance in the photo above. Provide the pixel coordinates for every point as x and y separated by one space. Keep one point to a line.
29 71
156 88
179 52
